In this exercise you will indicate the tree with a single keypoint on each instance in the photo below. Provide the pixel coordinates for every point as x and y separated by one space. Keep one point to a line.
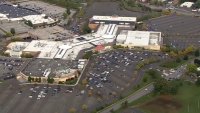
198 82
182 1
153 73
131 3
84 107
29 23
32 79
8 34
86 29
156 2
166 12
12 30
189 49
87 55
197 62
178 60
29 78
16 39
72 110
173 54
185 57
26 55
112 111
68 11
90 93
65 15
125 104
84 81
166 48
196 5
50 80
39 79
196 53
145 79
80 13
36 79
192 68
162 86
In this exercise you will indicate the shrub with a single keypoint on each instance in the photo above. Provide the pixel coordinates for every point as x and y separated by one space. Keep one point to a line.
26 55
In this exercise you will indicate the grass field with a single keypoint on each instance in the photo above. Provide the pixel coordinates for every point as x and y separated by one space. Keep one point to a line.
189 95
162 104
172 64
186 101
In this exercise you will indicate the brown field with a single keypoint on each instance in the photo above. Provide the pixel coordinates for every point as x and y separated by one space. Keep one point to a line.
162 104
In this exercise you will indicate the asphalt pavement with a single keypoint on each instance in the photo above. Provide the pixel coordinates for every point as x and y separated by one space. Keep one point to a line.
178 10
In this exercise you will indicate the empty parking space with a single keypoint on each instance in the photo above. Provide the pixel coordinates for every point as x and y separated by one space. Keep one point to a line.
180 42
175 24
109 8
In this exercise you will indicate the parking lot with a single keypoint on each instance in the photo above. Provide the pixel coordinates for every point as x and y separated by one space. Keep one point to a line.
108 9
180 42
19 27
9 67
45 8
37 67
175 24
16 98
111 73
16 12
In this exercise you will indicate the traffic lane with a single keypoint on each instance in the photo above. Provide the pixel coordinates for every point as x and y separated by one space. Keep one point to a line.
175 9
144 91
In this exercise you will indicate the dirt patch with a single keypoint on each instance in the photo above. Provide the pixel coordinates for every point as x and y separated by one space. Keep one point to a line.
163 104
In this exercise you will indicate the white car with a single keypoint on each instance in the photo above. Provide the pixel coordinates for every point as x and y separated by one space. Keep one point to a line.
194 10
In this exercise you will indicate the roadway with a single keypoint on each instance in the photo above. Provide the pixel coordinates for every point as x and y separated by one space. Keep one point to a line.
136 95
179 10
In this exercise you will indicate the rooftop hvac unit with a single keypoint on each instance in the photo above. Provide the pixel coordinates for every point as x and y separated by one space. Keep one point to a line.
17 48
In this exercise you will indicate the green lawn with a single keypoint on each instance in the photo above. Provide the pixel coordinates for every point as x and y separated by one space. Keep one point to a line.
188 97
172 64
149 76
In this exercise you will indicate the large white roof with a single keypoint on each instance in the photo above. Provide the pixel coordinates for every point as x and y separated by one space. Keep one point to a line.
39 19
40 45
114 18
138 38
121 38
